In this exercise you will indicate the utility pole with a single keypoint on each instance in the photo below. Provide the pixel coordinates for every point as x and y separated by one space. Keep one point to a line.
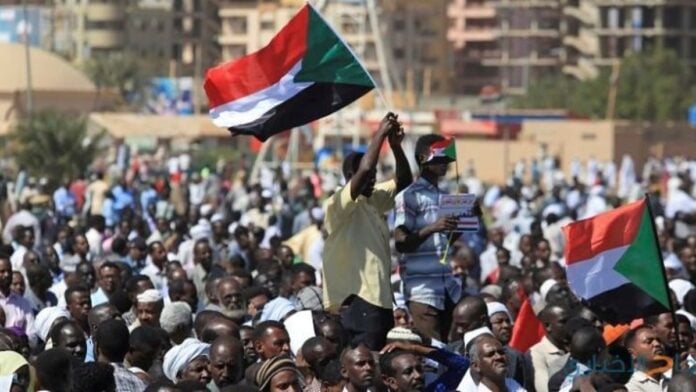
27 52
613 89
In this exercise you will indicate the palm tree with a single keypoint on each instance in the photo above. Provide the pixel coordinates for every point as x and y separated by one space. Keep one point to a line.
54 145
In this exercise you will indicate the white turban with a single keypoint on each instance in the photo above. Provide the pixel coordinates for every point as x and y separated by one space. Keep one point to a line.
45 319
680 288
546 287
149 296
176 359
692 319
175 314
277 309
497 307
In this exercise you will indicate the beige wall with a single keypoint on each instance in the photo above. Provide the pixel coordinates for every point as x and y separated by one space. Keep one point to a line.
488 156
572 139
603 140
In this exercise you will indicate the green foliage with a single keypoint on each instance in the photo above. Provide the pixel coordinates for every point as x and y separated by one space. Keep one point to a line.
123 71
654 85
54 145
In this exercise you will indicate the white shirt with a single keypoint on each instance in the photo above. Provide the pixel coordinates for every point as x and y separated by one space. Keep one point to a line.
95 239
510 386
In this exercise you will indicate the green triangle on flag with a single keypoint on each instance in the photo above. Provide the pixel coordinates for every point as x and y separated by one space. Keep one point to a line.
451 150
642 263
328 58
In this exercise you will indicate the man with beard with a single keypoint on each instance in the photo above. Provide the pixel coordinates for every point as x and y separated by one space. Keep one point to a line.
645 347
489 365
501 326
226 362
149 307
69 336
550 354
358 369
229 295
402 374
664 328
402 371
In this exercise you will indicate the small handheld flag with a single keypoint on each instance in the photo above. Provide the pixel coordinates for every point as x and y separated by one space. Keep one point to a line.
442 150
614 264
306 72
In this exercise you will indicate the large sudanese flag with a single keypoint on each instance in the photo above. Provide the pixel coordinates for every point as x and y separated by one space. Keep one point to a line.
614 264
306 72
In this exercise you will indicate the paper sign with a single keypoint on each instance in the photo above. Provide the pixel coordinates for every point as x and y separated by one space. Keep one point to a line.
300 327
461 207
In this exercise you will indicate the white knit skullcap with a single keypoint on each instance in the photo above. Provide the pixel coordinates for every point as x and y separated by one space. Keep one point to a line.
149 296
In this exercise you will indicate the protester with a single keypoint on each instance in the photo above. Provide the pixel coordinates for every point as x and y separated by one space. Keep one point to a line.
209 265
356 253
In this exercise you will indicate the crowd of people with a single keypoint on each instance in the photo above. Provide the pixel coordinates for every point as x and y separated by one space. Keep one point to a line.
159 277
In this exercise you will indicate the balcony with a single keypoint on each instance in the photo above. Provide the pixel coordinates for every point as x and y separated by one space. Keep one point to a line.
105 39
470 12
582 43
105 12
483 35
233 39
579 14
584 70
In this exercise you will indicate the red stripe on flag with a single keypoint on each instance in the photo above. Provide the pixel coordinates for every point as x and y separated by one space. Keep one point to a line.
257 71
587 238
528 329
441 144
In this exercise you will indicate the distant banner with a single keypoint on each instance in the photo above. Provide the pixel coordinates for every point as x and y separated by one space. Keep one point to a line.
172 96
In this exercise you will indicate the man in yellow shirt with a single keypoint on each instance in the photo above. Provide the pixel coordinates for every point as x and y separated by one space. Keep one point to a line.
357 258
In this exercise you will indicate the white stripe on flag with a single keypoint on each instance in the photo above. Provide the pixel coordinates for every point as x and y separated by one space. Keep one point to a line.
248 109
591 277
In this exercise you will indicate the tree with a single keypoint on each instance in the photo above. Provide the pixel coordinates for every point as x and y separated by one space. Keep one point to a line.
654 85
54 145
124 72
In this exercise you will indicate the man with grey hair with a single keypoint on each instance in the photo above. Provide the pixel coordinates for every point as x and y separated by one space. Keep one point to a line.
176 320
489 365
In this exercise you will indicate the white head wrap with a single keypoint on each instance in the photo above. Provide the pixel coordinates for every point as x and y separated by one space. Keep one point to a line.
680 288
149 296
546 287
277 309
176 359
45 319
692 319
175 314
497 307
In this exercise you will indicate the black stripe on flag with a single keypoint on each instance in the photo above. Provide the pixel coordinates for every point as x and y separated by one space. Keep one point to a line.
624 304
312 103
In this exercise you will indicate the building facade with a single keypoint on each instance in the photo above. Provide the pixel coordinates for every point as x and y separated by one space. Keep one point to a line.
508 43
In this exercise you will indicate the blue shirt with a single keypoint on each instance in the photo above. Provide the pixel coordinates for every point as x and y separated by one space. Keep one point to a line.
90 350
147 197
456 365
425 279
65 202
122 198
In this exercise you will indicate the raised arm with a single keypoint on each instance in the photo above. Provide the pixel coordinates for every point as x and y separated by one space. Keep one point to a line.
368 163
404 177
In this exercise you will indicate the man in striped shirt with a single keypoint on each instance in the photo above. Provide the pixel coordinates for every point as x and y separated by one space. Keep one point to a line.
428 285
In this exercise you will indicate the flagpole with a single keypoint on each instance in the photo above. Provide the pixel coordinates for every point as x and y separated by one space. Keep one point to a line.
664 279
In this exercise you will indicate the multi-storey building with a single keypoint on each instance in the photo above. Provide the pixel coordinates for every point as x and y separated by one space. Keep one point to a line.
508 43
600 32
